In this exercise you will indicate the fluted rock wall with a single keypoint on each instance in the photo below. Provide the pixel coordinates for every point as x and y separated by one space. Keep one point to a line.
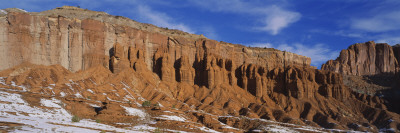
81 42
78 39
292 81
366 58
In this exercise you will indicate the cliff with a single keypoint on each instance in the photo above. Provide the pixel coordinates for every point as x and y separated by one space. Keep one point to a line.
78 39
366 58
123 62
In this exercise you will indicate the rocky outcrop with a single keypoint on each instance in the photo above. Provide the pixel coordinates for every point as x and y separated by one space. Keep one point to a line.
366 58
291 81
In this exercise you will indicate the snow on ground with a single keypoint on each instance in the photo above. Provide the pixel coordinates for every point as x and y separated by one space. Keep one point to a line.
3 81
275 126
62 94
78 95
387 130
19 86
172 118
89 90
135 112
277 129
92 81
54 103
94 105
208 130
10 97
22 10
51 119
3 12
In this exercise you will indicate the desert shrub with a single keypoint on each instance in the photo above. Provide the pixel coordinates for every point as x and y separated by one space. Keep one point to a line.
146 104
158 130
156 105
75 119
98 121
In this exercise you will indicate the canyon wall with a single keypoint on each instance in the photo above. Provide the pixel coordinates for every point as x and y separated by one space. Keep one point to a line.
367 58
78 39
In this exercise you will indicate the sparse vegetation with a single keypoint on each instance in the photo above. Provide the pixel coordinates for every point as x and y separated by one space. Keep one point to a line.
156 105
75 119
146 104
173 106
158 130
98 121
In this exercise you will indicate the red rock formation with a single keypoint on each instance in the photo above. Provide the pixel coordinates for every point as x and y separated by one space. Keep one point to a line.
185 71
365 59
78 39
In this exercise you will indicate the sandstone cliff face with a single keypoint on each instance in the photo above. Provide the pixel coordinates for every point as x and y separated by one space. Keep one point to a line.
78 42
365 59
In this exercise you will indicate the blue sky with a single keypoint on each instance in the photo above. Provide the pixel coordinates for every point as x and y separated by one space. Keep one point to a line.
315 28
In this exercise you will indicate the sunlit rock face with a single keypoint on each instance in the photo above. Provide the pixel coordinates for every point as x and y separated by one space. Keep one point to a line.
366 58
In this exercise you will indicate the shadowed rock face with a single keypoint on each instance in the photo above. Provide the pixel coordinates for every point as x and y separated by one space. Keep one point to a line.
366 58
115 55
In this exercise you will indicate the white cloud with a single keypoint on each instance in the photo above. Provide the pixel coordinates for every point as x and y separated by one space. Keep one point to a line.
161 19
390 40
273 16
277 19
319 53
380 22
344 33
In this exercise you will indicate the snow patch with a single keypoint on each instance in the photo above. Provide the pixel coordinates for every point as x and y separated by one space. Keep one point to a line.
11 97
78 95
126 86
62 94
19 86
49 87
278 129
3 12
166 111
94 105
2 81
92 81
387 130
135 112
53 103
172 118
22 10
89 90
56 119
